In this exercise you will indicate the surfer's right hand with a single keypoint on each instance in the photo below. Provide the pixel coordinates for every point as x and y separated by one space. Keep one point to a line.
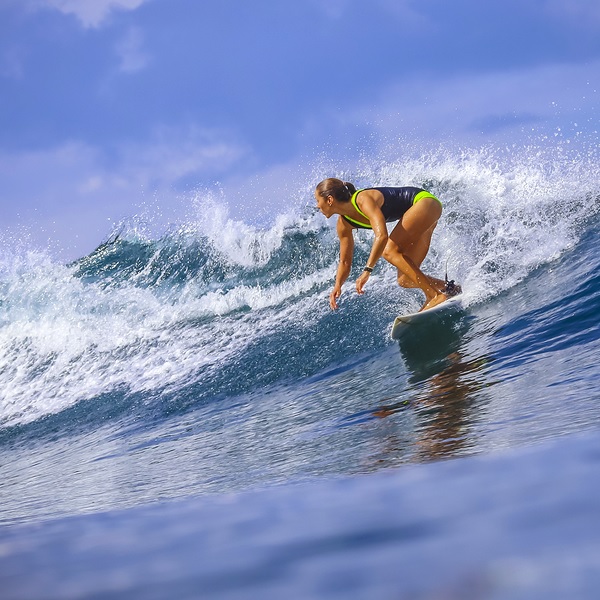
333 297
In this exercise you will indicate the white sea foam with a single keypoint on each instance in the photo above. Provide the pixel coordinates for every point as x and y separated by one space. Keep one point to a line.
64 339
506 211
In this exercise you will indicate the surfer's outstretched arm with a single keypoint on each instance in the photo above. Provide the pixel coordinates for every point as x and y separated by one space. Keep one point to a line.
377 221
344 231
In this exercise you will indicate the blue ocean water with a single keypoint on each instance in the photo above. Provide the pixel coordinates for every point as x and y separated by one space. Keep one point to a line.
183 416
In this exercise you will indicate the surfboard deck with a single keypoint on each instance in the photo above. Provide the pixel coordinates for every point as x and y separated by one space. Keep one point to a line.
403 324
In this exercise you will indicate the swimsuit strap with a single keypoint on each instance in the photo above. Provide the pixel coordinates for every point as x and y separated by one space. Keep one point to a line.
360 212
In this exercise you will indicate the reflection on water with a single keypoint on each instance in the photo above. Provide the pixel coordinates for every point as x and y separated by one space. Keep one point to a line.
445 384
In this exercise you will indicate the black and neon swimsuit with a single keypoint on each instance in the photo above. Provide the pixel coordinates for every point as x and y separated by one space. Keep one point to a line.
396 201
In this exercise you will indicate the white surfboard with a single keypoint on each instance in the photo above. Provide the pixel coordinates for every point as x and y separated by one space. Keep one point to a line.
403 324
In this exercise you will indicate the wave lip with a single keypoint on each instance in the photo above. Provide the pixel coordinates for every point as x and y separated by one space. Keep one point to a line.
141 315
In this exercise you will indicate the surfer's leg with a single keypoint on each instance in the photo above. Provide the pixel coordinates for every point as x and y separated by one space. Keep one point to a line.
408 245
417 252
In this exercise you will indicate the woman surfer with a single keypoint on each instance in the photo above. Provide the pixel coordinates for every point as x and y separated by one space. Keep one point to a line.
417 212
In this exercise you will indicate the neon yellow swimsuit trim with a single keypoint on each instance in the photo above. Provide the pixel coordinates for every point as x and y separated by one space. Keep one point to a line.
360 212
419 196
424 194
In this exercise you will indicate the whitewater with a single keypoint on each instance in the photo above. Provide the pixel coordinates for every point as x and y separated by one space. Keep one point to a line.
182 415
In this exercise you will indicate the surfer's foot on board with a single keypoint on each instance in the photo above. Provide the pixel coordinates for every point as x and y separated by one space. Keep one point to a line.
434 301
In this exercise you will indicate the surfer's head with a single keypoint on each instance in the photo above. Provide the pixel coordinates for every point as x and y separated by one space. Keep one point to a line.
332 190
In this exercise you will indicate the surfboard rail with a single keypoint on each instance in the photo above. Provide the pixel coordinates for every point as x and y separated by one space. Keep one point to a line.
403 323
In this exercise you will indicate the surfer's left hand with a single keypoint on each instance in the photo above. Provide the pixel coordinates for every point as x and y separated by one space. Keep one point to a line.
361 281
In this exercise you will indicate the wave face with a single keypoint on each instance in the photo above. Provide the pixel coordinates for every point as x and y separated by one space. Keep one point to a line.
147 327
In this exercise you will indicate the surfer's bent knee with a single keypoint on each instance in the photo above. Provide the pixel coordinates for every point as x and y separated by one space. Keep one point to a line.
391 249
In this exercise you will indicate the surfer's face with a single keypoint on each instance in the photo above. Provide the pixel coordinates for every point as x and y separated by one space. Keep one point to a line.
324 204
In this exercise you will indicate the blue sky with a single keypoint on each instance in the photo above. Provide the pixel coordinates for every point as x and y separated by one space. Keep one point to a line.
107 106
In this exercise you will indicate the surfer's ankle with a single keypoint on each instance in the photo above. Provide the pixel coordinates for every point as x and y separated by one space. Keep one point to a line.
438 299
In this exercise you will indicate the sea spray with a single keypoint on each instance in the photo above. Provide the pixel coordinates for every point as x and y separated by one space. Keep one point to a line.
217 307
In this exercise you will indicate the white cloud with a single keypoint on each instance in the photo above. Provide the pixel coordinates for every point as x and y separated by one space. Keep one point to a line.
173 154
332 9
91 13
470 107
76 194
130 52
584 13
405 13
399 10
12 62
